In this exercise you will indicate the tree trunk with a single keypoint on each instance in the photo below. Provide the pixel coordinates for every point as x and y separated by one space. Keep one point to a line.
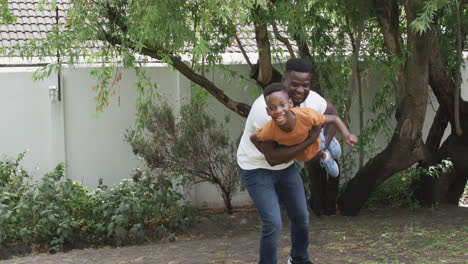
449 187
323 189
227 198
406 146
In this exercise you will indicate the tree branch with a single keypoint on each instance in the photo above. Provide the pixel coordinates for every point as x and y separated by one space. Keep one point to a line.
241 47
159 53
265 68
304 52
284 40
436 132
440 80
355 74
387 13
456 99
442 83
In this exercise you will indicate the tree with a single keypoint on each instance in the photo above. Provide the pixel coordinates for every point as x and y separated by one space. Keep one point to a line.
403 37
421 66
196 148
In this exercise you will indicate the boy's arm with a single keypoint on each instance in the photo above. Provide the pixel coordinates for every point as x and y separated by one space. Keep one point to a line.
276 154
329 130
349 138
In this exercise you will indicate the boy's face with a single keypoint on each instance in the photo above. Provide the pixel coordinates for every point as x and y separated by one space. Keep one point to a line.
298 85
278 107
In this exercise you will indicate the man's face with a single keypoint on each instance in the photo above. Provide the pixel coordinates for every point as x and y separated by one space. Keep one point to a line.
298 85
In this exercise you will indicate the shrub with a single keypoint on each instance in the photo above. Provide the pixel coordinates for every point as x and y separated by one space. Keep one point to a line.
396 192
55 211
400 189
131 208
196 148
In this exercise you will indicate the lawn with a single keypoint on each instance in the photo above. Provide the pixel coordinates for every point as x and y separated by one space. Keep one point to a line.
422 235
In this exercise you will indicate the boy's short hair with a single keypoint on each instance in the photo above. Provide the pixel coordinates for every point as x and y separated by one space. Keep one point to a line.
298 65
274 87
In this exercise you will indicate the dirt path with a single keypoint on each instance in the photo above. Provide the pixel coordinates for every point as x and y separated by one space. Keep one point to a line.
385 236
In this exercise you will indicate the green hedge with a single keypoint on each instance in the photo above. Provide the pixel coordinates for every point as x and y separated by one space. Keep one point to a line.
56 211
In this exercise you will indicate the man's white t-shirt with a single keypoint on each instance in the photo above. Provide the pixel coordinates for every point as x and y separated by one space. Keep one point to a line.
248 156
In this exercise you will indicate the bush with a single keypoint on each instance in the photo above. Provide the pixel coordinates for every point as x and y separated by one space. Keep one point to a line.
396 192
134 209
55 211
196 148
400 190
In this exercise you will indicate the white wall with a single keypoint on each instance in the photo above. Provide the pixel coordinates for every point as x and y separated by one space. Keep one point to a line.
95 146
25 115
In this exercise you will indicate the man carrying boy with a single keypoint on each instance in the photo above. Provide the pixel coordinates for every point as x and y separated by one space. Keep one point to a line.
290 126
268 170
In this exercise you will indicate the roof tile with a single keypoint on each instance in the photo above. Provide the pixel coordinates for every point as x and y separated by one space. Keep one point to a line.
16 12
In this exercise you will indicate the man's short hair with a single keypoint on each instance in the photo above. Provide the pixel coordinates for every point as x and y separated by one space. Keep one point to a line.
274 87
298 65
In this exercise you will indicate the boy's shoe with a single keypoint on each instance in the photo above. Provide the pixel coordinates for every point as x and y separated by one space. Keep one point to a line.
329 164
291 262
335 148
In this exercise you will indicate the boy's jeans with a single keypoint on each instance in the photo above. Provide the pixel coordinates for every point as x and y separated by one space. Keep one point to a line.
267 188
334 147
331 153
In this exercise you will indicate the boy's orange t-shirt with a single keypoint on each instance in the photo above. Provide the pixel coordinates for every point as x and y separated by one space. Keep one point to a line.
306 118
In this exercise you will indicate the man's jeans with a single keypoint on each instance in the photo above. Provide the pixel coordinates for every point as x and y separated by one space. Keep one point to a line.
267 188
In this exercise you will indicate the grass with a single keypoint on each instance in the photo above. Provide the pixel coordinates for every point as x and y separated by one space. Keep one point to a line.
394 236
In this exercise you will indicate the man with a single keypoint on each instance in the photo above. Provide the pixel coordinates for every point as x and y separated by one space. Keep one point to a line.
268 170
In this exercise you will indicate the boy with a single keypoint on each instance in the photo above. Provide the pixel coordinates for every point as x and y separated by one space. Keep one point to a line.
290 126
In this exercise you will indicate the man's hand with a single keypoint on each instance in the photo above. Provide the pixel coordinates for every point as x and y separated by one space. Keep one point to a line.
351 140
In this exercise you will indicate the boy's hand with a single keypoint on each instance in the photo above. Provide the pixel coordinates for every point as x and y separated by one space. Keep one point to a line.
351 140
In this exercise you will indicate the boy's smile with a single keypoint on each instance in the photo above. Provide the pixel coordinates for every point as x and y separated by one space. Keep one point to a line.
279 108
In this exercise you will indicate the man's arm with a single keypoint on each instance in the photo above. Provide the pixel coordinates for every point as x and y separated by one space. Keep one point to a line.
329 130
277 154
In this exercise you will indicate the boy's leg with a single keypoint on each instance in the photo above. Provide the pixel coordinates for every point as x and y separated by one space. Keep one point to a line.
328 161
291 193
260 184
334 147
